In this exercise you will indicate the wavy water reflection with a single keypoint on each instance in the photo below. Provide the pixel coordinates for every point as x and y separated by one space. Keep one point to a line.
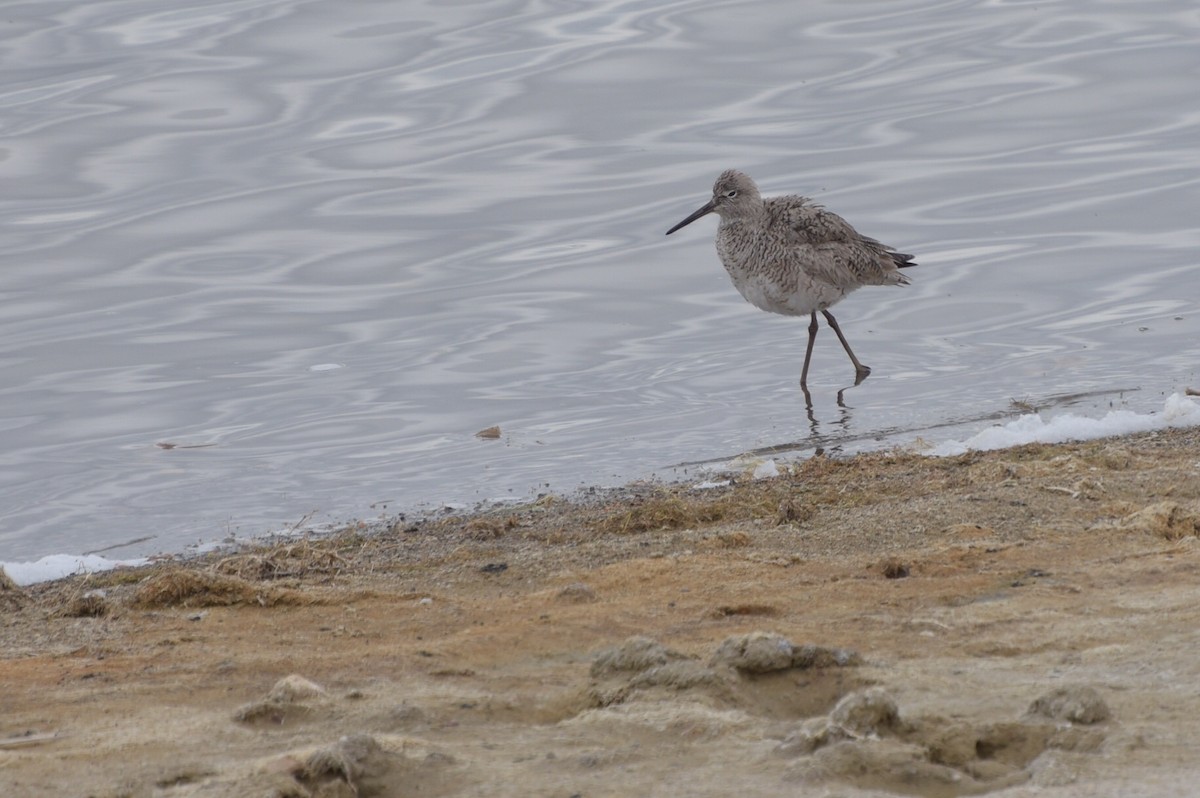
317 246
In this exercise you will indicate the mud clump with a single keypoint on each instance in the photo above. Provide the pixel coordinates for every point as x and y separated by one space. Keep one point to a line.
753 673
356 765
1076 704
872 711
640 663
890 766
764 652
864 741
635 654
757 652
291 699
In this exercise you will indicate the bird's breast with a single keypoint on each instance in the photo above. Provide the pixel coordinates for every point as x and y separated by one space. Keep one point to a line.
773 281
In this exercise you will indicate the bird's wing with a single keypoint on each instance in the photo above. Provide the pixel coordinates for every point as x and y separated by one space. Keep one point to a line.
808 222
840 255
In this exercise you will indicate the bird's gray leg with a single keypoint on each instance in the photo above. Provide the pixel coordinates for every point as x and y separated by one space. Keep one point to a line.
860 371
812 339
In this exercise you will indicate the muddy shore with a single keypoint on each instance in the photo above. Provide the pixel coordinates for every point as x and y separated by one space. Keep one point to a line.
1020 622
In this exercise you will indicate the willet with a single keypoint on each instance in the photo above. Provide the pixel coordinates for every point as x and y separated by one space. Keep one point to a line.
789 255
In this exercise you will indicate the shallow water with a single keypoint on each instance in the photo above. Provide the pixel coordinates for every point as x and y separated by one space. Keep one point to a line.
315 247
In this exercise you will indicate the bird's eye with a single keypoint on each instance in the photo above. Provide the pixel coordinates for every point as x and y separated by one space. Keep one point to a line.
731 193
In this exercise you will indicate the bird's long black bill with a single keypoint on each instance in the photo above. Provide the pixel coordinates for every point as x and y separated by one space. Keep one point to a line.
707 209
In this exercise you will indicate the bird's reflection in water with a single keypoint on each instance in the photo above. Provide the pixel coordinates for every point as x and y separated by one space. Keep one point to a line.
840 426
830 430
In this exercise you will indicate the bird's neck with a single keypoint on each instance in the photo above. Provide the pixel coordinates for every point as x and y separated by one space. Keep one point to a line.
749 217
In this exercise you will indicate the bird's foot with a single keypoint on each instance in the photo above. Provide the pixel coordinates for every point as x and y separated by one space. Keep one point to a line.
861 373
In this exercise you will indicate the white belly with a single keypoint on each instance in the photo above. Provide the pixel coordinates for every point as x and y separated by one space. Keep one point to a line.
806 298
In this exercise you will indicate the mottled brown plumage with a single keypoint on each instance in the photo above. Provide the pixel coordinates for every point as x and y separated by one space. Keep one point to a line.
789 255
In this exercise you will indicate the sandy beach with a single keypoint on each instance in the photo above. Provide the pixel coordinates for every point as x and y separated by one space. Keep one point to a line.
1020 622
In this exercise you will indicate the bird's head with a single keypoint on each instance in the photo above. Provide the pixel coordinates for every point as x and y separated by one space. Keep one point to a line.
734 196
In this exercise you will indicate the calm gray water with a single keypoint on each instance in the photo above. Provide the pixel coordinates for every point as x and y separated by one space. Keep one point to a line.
317 245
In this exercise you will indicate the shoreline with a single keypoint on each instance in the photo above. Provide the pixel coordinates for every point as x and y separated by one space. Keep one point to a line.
475 654
1178 410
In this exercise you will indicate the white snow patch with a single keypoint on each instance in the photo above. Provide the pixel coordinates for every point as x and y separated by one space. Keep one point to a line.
766 470
710 485
56 566
745 464
1178 411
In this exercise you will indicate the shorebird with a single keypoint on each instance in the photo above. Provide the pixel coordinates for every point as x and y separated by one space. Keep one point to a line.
789 255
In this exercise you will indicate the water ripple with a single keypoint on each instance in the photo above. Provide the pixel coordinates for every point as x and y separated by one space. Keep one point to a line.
326 243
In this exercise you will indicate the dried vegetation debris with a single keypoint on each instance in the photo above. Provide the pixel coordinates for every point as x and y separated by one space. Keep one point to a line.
304 558
11 595
87 603
1170 520
189 587
887 498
